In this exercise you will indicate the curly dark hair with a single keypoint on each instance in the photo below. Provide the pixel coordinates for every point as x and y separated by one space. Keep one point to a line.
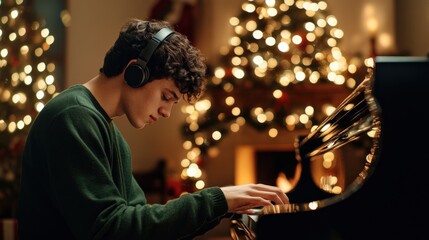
175 57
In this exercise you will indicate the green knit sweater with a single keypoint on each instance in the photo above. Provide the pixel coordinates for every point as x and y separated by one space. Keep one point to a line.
77 182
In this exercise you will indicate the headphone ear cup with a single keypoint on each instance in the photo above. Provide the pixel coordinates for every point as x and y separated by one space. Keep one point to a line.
136 75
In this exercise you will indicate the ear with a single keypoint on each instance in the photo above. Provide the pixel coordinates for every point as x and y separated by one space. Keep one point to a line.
128 64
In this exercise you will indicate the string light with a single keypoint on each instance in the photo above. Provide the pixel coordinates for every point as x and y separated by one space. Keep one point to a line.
27 83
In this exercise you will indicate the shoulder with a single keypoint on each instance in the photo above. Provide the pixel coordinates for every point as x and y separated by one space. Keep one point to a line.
73 100
75 95
74 106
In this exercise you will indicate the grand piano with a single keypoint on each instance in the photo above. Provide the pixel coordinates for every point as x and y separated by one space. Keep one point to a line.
381 127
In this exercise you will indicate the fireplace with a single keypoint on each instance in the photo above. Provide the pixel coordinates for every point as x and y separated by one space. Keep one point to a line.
272 165
277 165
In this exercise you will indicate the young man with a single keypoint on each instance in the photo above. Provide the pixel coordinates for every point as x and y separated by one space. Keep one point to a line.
77 179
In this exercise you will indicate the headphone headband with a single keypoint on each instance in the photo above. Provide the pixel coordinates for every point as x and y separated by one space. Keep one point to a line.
154 43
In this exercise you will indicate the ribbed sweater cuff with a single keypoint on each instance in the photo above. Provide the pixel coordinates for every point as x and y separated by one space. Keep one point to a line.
220 206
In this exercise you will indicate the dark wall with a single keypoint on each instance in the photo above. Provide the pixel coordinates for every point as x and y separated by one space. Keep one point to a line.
412 21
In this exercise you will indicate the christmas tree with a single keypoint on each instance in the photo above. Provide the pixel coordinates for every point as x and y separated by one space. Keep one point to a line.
27 82
280 71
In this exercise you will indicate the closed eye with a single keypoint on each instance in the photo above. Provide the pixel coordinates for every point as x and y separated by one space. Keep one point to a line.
165 98
170 96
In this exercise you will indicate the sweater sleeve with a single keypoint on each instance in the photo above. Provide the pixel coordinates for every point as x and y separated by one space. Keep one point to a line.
88 197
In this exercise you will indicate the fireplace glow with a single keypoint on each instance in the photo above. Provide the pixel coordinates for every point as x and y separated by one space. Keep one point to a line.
283 183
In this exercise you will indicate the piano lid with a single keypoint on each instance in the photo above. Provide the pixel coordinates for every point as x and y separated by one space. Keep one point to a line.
355 121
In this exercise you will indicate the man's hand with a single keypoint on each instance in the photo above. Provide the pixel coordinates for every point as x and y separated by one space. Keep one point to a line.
243 198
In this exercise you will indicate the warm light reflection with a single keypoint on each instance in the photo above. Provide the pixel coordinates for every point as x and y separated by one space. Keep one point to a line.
313 205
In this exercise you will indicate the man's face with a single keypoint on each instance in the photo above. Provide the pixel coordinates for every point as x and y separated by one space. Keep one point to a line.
146 104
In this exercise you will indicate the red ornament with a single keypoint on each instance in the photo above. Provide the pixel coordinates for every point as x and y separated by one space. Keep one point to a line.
200 162
303 45
283 102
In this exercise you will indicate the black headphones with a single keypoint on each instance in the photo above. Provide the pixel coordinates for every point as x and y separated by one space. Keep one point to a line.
137 73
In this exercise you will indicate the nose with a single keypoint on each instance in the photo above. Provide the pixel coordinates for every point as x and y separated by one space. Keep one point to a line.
165 111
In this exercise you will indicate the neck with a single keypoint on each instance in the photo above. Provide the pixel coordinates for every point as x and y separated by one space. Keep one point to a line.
105 90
